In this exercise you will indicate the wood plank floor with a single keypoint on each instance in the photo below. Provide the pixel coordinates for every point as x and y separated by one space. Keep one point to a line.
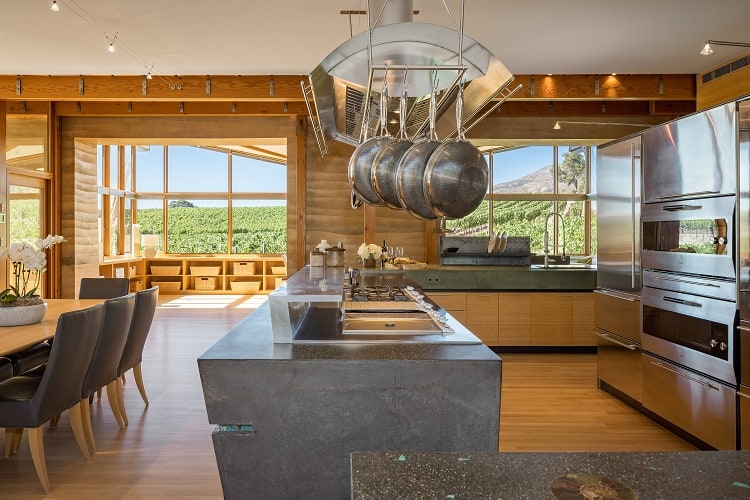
549 403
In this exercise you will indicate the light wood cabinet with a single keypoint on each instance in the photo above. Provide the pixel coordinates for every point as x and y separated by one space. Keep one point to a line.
454 304
524 319
514 313
133 269
245 274
482 316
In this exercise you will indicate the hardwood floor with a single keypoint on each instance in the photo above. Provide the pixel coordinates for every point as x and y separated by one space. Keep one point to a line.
549 402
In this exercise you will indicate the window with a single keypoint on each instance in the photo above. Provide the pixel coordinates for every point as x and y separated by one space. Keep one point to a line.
530 183
196 199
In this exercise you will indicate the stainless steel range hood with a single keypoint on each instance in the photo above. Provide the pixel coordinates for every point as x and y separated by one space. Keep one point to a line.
341 81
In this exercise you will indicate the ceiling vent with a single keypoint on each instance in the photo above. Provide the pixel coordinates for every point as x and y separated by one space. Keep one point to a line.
726 69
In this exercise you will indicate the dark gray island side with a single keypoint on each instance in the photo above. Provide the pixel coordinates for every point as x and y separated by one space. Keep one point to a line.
288 415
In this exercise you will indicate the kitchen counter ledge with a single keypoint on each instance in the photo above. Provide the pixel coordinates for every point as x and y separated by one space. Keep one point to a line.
662 475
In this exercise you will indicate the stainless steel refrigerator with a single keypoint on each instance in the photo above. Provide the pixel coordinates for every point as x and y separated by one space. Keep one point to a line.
743 394
617 297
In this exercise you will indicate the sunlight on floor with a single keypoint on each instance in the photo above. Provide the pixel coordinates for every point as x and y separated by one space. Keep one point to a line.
214 302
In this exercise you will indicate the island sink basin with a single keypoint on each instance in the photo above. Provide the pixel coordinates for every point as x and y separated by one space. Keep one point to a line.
390 323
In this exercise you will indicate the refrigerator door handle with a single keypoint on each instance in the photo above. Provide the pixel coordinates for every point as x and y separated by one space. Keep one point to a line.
633 221
608 337
616 295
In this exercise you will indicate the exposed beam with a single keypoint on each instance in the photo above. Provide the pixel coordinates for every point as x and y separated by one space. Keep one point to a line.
286 88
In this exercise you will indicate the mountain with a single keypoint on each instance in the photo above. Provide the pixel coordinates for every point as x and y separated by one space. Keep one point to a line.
539 181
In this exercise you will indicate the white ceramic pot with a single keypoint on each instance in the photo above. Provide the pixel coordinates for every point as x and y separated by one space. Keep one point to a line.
22 315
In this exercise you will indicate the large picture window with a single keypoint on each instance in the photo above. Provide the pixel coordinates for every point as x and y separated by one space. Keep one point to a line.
196 199
527 185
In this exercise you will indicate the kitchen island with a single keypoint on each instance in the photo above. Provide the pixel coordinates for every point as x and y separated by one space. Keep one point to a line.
288 415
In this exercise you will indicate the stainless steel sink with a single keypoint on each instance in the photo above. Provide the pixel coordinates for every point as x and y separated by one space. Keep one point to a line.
390 323
563 266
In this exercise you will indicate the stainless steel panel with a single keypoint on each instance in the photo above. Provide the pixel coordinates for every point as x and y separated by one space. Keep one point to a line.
692 156
696 285
618 362
743 398
699 405
743 230
744 347
618 313
618 191
658 254
718 311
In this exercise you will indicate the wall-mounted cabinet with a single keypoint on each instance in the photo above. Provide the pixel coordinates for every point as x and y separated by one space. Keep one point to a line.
245 274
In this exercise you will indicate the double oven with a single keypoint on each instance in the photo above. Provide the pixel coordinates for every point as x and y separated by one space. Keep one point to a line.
689 311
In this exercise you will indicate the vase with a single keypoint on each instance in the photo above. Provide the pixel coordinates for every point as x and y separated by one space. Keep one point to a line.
368 263
22 315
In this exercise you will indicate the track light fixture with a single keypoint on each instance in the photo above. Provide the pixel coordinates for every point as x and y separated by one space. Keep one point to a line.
558 127
111 47
708 50
54 7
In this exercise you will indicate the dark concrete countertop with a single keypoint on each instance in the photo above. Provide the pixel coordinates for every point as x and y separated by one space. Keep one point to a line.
658 475
500 278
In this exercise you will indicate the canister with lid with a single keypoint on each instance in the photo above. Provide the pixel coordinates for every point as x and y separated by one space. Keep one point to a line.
335 257
317 258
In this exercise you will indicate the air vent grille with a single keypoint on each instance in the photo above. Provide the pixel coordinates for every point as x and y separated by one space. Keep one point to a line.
726 69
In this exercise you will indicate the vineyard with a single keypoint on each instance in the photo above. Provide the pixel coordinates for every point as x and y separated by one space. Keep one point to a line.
206 229
526 218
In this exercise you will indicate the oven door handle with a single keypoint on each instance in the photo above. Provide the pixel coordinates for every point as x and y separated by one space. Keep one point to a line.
610 338
685 195
683 302
681 207
692 379
689 282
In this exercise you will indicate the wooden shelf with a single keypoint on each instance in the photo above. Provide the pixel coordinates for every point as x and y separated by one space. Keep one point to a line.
132 268
251 273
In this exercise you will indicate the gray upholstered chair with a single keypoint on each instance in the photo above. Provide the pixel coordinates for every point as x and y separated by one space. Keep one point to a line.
143 316
102 372
6 368
103 288
30 358
29 402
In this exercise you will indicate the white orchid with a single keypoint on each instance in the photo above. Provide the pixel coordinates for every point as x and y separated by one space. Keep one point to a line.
29 262
369 251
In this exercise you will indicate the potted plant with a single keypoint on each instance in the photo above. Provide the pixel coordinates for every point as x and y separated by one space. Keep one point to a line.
20 304
369 253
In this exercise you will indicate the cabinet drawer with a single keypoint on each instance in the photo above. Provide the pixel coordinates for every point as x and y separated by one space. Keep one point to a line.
450 301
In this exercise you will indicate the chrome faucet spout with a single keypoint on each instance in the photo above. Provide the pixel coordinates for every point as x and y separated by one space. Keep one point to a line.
546 236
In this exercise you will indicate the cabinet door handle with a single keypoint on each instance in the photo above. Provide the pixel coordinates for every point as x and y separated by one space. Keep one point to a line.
608 337
744 328
616 295
676 208
692 379
743 394
683 302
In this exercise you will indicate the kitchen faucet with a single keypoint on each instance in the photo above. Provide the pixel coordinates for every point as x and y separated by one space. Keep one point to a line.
546 237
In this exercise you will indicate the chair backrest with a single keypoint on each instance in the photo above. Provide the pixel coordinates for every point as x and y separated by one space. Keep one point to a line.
110 343
143 316
6 368
75 341
103 288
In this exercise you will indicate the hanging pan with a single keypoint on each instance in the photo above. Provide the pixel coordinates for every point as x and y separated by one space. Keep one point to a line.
385 165
361 161
410 172
456 175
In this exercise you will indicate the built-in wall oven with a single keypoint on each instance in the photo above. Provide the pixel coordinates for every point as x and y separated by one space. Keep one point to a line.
689 313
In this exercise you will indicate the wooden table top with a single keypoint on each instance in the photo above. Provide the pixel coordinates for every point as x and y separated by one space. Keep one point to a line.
18 338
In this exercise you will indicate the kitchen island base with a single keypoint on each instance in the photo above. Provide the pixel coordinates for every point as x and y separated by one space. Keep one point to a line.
289 415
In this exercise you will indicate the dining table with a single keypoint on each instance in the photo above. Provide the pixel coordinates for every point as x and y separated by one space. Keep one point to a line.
17 338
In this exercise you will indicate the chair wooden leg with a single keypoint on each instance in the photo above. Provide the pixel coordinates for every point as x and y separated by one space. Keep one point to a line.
121 402
88 432
138 375
77 425
53 421
36 444
12 439
99 395
114 402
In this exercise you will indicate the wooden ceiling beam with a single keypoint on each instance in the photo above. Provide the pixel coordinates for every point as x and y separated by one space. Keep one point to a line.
286 88
192 108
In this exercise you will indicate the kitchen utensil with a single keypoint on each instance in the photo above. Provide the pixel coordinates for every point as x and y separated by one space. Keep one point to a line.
455 178
492 243
410 172
361 161
502 242
386 162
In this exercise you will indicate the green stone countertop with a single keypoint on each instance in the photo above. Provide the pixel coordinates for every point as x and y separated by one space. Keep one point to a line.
500 278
